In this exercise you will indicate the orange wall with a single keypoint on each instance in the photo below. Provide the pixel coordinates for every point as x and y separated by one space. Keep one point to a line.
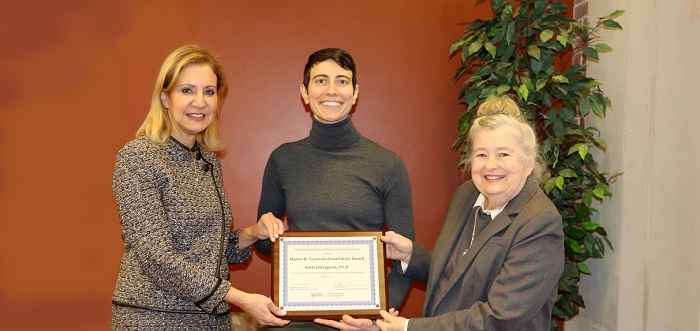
76 77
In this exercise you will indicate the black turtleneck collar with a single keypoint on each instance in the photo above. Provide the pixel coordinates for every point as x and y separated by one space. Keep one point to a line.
335 135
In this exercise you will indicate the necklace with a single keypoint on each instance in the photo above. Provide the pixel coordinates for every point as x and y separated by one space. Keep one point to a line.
473 231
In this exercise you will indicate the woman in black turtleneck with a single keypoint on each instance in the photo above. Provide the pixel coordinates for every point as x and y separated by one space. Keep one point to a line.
336 179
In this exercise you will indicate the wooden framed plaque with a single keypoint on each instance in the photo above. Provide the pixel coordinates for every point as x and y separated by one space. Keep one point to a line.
327 274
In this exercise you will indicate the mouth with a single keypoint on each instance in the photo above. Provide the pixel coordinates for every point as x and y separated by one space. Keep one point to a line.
196 116
493 177
331 104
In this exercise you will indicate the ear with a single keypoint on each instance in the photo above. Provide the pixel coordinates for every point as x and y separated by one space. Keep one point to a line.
356 93
304 93
531 164
164 99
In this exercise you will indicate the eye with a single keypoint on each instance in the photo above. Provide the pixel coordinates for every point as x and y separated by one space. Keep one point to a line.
503 154
320 81
210 92
480 155
186 90
343 82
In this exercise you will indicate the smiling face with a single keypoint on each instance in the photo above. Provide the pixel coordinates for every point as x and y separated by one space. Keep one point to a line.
330 94
192 103
499 165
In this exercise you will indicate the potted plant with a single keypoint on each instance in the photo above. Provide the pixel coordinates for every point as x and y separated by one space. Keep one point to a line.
526 51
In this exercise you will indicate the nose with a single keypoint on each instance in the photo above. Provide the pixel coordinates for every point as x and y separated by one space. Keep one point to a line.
331 89
198 100
491 163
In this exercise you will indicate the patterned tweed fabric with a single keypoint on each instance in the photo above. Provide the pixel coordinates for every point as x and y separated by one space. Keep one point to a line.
175 222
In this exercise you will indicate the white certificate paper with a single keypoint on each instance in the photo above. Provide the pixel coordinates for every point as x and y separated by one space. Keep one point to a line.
331 274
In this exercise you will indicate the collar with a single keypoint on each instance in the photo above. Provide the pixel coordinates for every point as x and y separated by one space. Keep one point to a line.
178 143
493 212
334 136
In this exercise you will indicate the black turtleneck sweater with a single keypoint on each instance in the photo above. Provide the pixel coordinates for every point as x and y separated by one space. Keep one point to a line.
336 179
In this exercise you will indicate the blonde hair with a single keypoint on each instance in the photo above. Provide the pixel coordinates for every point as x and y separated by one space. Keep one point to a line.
157 126
504 112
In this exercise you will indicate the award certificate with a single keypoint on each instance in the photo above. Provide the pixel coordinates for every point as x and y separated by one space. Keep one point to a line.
327 274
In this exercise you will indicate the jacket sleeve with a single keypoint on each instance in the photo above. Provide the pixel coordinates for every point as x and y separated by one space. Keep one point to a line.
398 210
137 183
271 200
522 286
233 254
419 266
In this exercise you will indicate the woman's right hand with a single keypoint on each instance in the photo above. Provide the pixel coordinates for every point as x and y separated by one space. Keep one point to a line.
260 307
398 247
269 227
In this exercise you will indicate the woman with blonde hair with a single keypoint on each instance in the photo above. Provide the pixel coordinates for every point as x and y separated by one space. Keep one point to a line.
174 214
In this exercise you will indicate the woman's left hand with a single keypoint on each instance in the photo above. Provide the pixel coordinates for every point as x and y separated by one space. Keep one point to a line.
391 321
348 323
269 226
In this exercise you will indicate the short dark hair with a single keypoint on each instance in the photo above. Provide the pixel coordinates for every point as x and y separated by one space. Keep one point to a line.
340 56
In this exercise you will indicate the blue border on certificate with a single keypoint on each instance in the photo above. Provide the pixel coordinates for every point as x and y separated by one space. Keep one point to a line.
371 302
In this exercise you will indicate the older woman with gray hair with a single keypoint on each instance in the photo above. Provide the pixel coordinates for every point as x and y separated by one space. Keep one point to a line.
499 256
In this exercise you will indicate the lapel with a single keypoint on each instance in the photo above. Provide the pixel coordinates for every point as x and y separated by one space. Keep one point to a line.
451 232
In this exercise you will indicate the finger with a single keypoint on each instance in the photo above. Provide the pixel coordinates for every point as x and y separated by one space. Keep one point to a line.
276 322
385 315
276 310
271 226
331 323
381 324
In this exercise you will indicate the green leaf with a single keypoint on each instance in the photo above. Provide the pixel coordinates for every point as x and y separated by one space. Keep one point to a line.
508 9
615 13
557 7
562 40
603 47
612 25
560 79
457 45
601 143
581 148
540 84
549 185
523 92
510 30
545 35
491 49
590 53
574 246
605 187
584 106
474 47
599 193
533 51
527 82
497 5
559 182
502 89
590 226
575 233
583 268
587 198
567 173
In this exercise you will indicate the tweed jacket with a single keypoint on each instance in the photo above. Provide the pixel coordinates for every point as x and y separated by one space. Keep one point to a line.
175 223
508 278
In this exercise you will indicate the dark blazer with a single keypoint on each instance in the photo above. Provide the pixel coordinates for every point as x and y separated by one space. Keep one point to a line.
508 278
